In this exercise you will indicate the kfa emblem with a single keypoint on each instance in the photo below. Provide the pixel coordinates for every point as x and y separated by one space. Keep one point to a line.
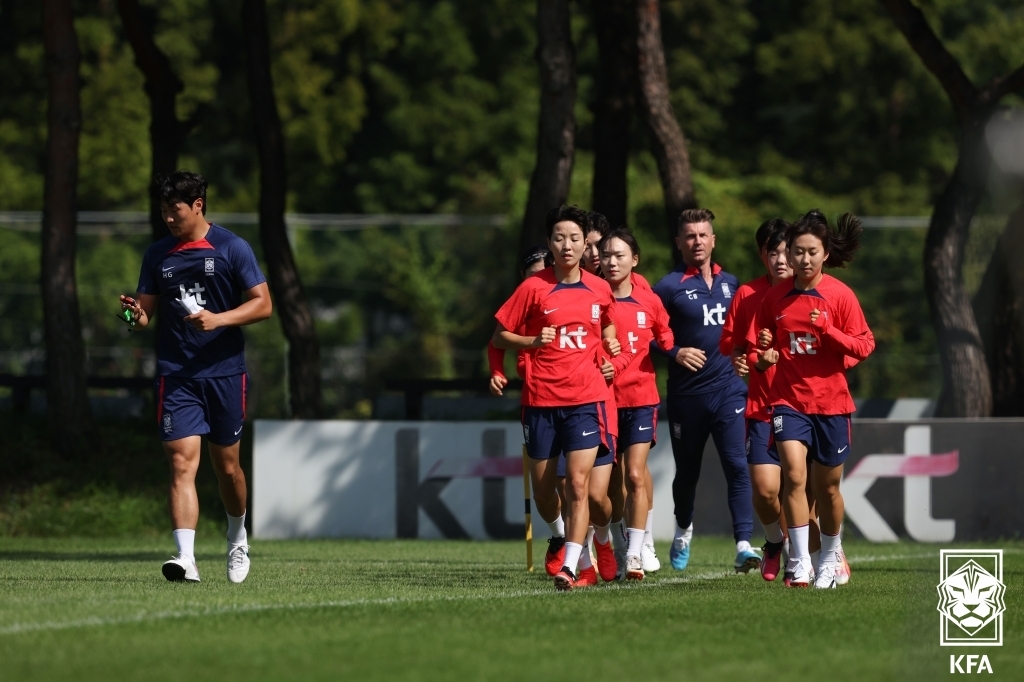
641 319
778 424
209 266
725 290
595 311
167 422
971 597
526 433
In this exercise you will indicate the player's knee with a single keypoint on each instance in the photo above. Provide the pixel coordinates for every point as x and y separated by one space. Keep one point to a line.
636 478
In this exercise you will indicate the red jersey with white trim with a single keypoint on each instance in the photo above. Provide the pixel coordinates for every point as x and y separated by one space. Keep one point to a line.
639 318
742 312
564 372
810 376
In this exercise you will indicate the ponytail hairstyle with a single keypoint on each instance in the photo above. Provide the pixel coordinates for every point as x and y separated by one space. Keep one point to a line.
840 243
623 233
765 232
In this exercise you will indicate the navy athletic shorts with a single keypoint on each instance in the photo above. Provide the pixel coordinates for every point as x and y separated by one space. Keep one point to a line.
637 425
827 436
210 406
550 431
759 436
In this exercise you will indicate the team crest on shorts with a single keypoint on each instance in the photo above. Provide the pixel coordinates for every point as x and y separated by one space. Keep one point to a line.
725 290
526 433
595 311
167 422
778 423
641 319
209 266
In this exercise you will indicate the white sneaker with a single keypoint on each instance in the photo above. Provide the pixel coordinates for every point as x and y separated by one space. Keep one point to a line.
649 558
842 568
800 570
826 578
181 568
620 564
238 563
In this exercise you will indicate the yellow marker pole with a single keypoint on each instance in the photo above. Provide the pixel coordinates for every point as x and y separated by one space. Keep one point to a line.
529 522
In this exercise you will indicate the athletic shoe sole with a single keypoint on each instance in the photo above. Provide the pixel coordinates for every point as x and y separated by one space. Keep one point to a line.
175 573
563 584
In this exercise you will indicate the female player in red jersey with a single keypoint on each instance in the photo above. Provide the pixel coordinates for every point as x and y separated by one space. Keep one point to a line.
763 462
818 330
565 315
639 317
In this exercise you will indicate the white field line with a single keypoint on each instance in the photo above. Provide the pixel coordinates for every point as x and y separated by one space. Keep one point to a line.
145 617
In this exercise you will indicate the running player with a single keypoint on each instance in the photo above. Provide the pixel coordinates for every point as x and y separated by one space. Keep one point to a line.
565 314
705 397
206 283
765 473
535 260
817 327
639 319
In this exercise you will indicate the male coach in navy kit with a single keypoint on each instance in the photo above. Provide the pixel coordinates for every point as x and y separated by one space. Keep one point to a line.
705 397
206 283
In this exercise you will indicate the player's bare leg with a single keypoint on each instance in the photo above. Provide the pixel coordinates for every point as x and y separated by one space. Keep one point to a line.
617 495
183 456
637 506
546 486
601 510
649 556
825 481
766 482
793 456
578 466
234 494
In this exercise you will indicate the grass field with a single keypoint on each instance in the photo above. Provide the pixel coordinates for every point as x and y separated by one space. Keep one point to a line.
88 609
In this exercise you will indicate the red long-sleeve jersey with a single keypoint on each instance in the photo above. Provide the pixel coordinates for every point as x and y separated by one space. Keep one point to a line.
810 376
745 304
639 318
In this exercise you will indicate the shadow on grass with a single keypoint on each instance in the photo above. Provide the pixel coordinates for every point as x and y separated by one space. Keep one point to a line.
123 557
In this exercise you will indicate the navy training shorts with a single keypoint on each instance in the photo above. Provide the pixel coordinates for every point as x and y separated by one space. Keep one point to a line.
210 406
827 436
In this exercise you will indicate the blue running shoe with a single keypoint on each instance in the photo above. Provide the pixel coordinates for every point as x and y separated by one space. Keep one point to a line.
747 560
679 557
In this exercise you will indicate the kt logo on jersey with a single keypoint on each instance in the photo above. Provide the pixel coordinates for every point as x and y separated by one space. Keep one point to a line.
971 597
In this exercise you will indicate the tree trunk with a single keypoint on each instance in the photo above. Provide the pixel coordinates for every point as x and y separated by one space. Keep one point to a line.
70 419
999 309
616 45
296 318
669 144
162 86
966 386
556 133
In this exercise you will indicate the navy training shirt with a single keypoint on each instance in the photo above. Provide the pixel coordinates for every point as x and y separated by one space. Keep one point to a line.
696 314
217 270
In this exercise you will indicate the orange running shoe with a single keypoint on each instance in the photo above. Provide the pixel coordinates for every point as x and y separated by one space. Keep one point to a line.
607 566
587 577
555 556
565 580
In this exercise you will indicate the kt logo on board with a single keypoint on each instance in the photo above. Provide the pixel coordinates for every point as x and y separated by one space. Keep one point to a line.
971 597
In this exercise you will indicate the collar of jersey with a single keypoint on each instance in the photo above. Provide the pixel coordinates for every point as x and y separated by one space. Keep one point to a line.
809 292
572 285
694 272
198 244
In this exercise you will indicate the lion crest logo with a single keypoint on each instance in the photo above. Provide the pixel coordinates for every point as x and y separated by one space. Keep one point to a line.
971 597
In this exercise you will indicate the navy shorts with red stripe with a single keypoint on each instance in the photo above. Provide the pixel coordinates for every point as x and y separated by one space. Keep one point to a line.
637 425
828 437
759 437
210 406
550 431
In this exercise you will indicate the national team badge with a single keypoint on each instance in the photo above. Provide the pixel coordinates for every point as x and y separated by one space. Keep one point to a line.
971 597
209 266
526 433
641 319
167 422
778 424
725 290
595 311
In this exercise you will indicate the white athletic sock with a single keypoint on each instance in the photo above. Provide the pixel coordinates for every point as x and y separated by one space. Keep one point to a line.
636 541
557 527
742 546
829 545
798 544
185 539
601 533
815 558
683 536
236 529
572 555
772 532
586 560
649 529
619 535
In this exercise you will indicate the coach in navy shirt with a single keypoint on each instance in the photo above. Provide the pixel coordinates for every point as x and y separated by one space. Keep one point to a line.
206 284
705 397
